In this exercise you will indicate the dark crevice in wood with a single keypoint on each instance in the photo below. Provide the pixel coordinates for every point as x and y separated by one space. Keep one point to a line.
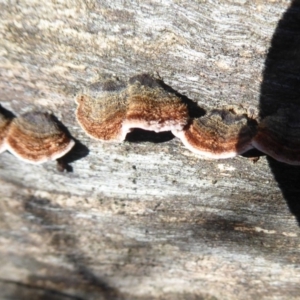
140 135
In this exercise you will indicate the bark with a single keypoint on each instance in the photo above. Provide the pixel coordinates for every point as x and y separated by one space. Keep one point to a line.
147 219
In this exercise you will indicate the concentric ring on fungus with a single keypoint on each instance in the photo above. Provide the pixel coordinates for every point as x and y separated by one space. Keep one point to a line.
221 133
101 110
36 137
278 136
151 107
4 126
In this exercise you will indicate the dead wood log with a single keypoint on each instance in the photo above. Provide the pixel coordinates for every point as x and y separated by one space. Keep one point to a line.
147 219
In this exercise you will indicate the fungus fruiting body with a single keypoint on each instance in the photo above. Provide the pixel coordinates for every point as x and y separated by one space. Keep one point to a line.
222 133
152 107
36 137
101 110
278 136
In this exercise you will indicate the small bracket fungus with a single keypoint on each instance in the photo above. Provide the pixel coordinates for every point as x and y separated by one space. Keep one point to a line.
151 107
36 137
278 136
4 126
222 133
101 110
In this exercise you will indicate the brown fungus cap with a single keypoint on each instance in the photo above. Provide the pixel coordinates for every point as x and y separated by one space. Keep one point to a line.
222 133
4 126
101 110
36 137
278 136
152 107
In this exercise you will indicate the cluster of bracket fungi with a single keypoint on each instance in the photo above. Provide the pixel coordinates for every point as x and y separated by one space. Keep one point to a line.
110 109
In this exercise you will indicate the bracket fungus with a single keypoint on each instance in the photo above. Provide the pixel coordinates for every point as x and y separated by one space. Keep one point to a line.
108 110
151 107
36 137
278 136
101 110
222 133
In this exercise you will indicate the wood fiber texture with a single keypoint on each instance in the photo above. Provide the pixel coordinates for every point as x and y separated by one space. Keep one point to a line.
148 219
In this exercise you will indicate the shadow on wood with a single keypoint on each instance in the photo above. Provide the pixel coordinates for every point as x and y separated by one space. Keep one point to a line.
280 89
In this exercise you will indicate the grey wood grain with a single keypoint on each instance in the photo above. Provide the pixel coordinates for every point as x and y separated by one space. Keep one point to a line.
148 219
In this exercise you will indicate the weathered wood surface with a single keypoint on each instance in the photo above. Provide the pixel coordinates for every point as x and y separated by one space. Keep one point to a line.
149 220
